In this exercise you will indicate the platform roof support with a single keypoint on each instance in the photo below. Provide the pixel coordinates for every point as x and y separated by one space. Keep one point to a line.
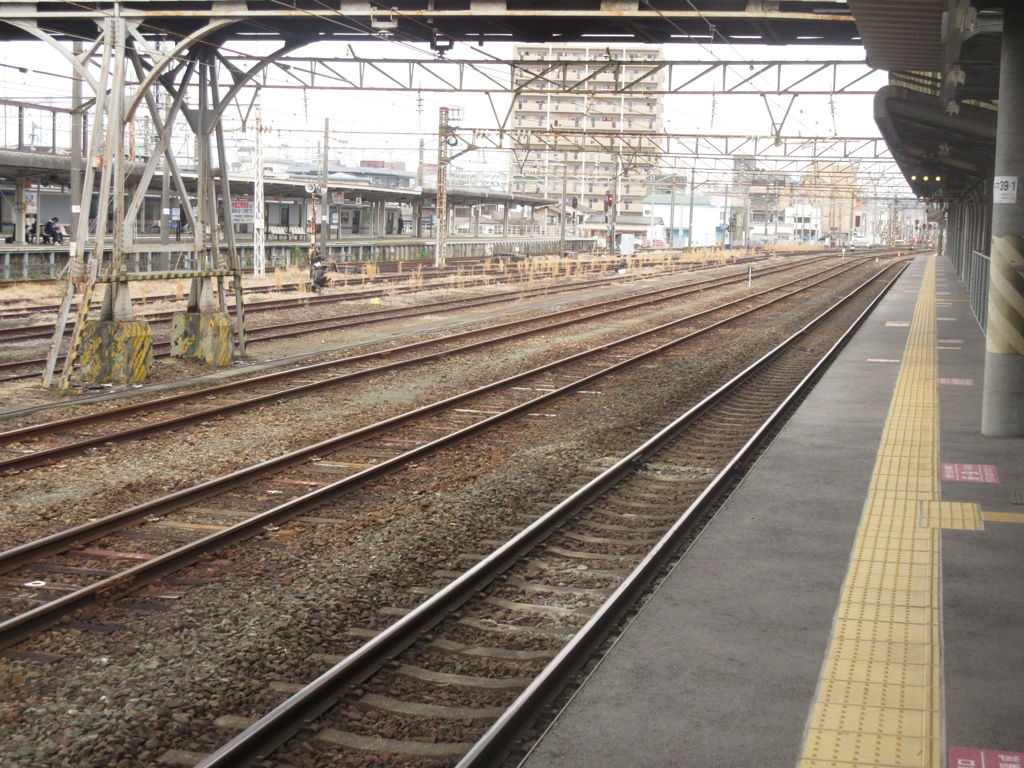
120 45
1003 404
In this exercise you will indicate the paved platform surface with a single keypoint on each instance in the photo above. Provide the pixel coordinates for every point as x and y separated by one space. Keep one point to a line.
859 600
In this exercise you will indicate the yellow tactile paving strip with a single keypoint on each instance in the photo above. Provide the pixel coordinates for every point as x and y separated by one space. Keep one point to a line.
1003 517
879 699
951 514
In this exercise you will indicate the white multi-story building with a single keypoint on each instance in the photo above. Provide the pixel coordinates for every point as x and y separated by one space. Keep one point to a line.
602 164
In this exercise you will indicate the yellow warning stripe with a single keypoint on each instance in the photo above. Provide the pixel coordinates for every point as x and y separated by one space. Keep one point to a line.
137 276
1004 517
879 699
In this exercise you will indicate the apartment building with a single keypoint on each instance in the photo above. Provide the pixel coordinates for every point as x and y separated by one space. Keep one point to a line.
602 150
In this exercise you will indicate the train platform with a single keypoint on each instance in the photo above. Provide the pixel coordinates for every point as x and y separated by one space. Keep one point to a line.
859 599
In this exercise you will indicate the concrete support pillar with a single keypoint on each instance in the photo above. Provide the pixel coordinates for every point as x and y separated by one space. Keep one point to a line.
19 214
1003 405
504 221
117 304
202 332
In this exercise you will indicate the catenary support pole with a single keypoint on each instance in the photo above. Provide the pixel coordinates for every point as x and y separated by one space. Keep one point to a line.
259 243
672 215
325 195
689 225
77 120
561 218
441 206
1002 413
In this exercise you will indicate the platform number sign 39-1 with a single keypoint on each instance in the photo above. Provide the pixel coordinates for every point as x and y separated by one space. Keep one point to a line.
1005 189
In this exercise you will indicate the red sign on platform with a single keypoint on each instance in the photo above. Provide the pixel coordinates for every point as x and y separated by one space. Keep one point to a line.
970 473
971 757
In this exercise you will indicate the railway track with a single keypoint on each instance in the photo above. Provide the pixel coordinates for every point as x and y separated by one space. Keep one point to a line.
437 278
462 677
50 441
384 269
392 273
247 501
23 369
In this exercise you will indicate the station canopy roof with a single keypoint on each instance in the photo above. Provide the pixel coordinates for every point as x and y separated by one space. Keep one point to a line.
938 115
442 23
55 170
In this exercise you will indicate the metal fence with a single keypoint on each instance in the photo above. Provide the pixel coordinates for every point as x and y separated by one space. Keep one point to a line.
976 279
968 233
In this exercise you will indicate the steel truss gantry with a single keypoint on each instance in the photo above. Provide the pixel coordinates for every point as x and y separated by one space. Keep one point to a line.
131 68
603 76
792 155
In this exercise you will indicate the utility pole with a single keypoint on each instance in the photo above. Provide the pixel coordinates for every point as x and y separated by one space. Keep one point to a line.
746 222
77 257
689 229
892 225
613 208
561 223
725 229
259 243
165 182
672 217
419 127
441 205
853 201
325 194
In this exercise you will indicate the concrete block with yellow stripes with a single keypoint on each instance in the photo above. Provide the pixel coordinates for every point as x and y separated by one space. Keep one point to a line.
204 336
116 352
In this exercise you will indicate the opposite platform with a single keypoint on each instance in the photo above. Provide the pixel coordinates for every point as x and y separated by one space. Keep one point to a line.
859 600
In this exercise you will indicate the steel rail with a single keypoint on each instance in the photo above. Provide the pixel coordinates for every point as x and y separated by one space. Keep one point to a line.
546 290
276 727
430 272
45 330
492 747
17 628
166 344
41 457
384 273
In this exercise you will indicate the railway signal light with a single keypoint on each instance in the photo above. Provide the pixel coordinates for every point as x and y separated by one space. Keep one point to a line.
575 202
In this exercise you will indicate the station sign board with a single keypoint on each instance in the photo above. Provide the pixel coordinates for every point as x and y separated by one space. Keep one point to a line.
1004 190
242 212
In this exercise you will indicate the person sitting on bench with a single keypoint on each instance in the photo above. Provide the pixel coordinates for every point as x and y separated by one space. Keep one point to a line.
52 232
